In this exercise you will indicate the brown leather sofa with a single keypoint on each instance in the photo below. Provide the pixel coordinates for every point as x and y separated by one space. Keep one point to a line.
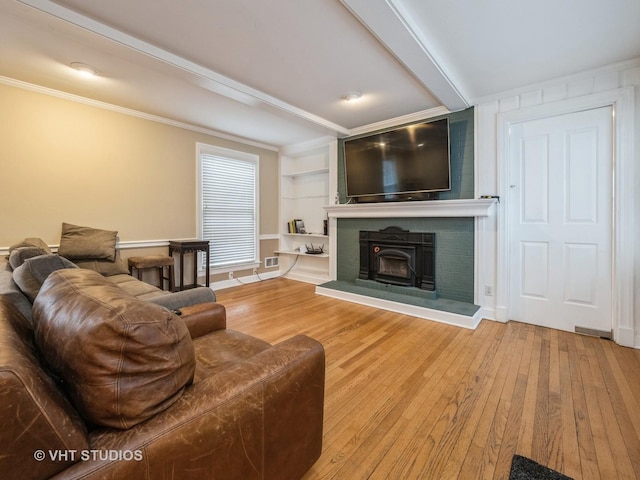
103 385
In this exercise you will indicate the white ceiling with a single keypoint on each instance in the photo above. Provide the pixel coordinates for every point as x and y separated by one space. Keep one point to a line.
274 72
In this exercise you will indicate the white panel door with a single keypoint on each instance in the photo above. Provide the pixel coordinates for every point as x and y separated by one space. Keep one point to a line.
560 205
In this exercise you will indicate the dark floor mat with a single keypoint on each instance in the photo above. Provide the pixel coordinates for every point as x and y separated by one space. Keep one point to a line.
523 468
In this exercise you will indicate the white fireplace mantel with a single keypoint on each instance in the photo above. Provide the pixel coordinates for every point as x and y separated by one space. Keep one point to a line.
481 207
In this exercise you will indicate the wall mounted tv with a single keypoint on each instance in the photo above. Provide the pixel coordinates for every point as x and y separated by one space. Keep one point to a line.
410 163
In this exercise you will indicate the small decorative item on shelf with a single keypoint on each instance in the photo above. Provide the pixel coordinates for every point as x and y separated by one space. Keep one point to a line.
296 226
313 250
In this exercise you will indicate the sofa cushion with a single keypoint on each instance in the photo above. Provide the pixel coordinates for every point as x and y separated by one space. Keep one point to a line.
10 290
105 267
34 414
18 255
87 243
136 288
184 298
32 242
122 360
33 272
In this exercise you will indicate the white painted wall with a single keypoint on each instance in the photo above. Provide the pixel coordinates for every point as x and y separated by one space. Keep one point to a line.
623 81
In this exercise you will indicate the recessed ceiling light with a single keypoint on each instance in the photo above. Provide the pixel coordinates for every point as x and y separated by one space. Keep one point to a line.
84 69
352 96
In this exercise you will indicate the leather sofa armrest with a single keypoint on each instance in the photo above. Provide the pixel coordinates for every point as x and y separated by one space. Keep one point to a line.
185 298
204 318
258 418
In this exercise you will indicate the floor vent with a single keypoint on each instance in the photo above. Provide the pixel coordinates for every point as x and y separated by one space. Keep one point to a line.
595 333
271 262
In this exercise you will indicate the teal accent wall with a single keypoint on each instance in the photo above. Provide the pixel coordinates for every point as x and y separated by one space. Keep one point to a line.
454 236
461 154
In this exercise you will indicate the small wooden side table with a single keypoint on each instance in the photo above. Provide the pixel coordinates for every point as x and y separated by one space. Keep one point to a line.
190 246
158 262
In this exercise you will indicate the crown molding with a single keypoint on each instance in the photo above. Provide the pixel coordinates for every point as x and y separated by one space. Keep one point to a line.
404 119
308 146
612 68
11 82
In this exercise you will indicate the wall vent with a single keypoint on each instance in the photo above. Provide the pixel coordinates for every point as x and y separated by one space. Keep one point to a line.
271 262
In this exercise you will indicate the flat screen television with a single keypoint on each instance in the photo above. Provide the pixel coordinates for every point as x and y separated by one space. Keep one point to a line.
410 163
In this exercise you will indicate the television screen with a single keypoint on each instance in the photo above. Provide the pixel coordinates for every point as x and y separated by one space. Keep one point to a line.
399 165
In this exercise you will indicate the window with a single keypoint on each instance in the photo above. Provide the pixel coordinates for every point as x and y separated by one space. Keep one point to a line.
228 206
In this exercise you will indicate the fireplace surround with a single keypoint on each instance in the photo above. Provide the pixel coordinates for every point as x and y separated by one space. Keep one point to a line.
398 257
454 223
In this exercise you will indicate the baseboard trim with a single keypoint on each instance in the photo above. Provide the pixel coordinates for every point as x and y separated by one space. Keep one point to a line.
626 337
455 319
490 314
306 277
239 281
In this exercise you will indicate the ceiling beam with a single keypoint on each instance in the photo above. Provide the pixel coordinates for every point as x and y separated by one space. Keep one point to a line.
213 81
392 25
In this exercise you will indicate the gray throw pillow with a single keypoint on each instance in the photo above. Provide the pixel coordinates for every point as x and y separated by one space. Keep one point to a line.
33 272
87 243
105 267
19 255
32 242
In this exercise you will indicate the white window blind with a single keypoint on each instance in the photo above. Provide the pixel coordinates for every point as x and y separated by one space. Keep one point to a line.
229 206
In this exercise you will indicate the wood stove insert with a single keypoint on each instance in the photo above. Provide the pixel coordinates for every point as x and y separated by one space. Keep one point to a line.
398 257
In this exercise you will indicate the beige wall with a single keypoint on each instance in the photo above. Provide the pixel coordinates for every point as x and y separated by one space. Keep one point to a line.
62 161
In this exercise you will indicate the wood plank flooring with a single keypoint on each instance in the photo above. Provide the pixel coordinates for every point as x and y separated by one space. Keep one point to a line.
408 398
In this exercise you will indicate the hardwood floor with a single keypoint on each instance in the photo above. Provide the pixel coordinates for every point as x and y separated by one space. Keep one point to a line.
408 398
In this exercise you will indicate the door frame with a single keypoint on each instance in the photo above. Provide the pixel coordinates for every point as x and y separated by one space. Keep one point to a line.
622 102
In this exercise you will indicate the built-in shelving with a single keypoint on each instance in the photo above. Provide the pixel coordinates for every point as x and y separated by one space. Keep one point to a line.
314 239
306 181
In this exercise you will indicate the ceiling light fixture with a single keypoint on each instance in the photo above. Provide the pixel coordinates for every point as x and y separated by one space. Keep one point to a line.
352 96
84 69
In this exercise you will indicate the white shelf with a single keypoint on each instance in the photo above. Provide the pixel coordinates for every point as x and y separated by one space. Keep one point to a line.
307 235
317 171
316 255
